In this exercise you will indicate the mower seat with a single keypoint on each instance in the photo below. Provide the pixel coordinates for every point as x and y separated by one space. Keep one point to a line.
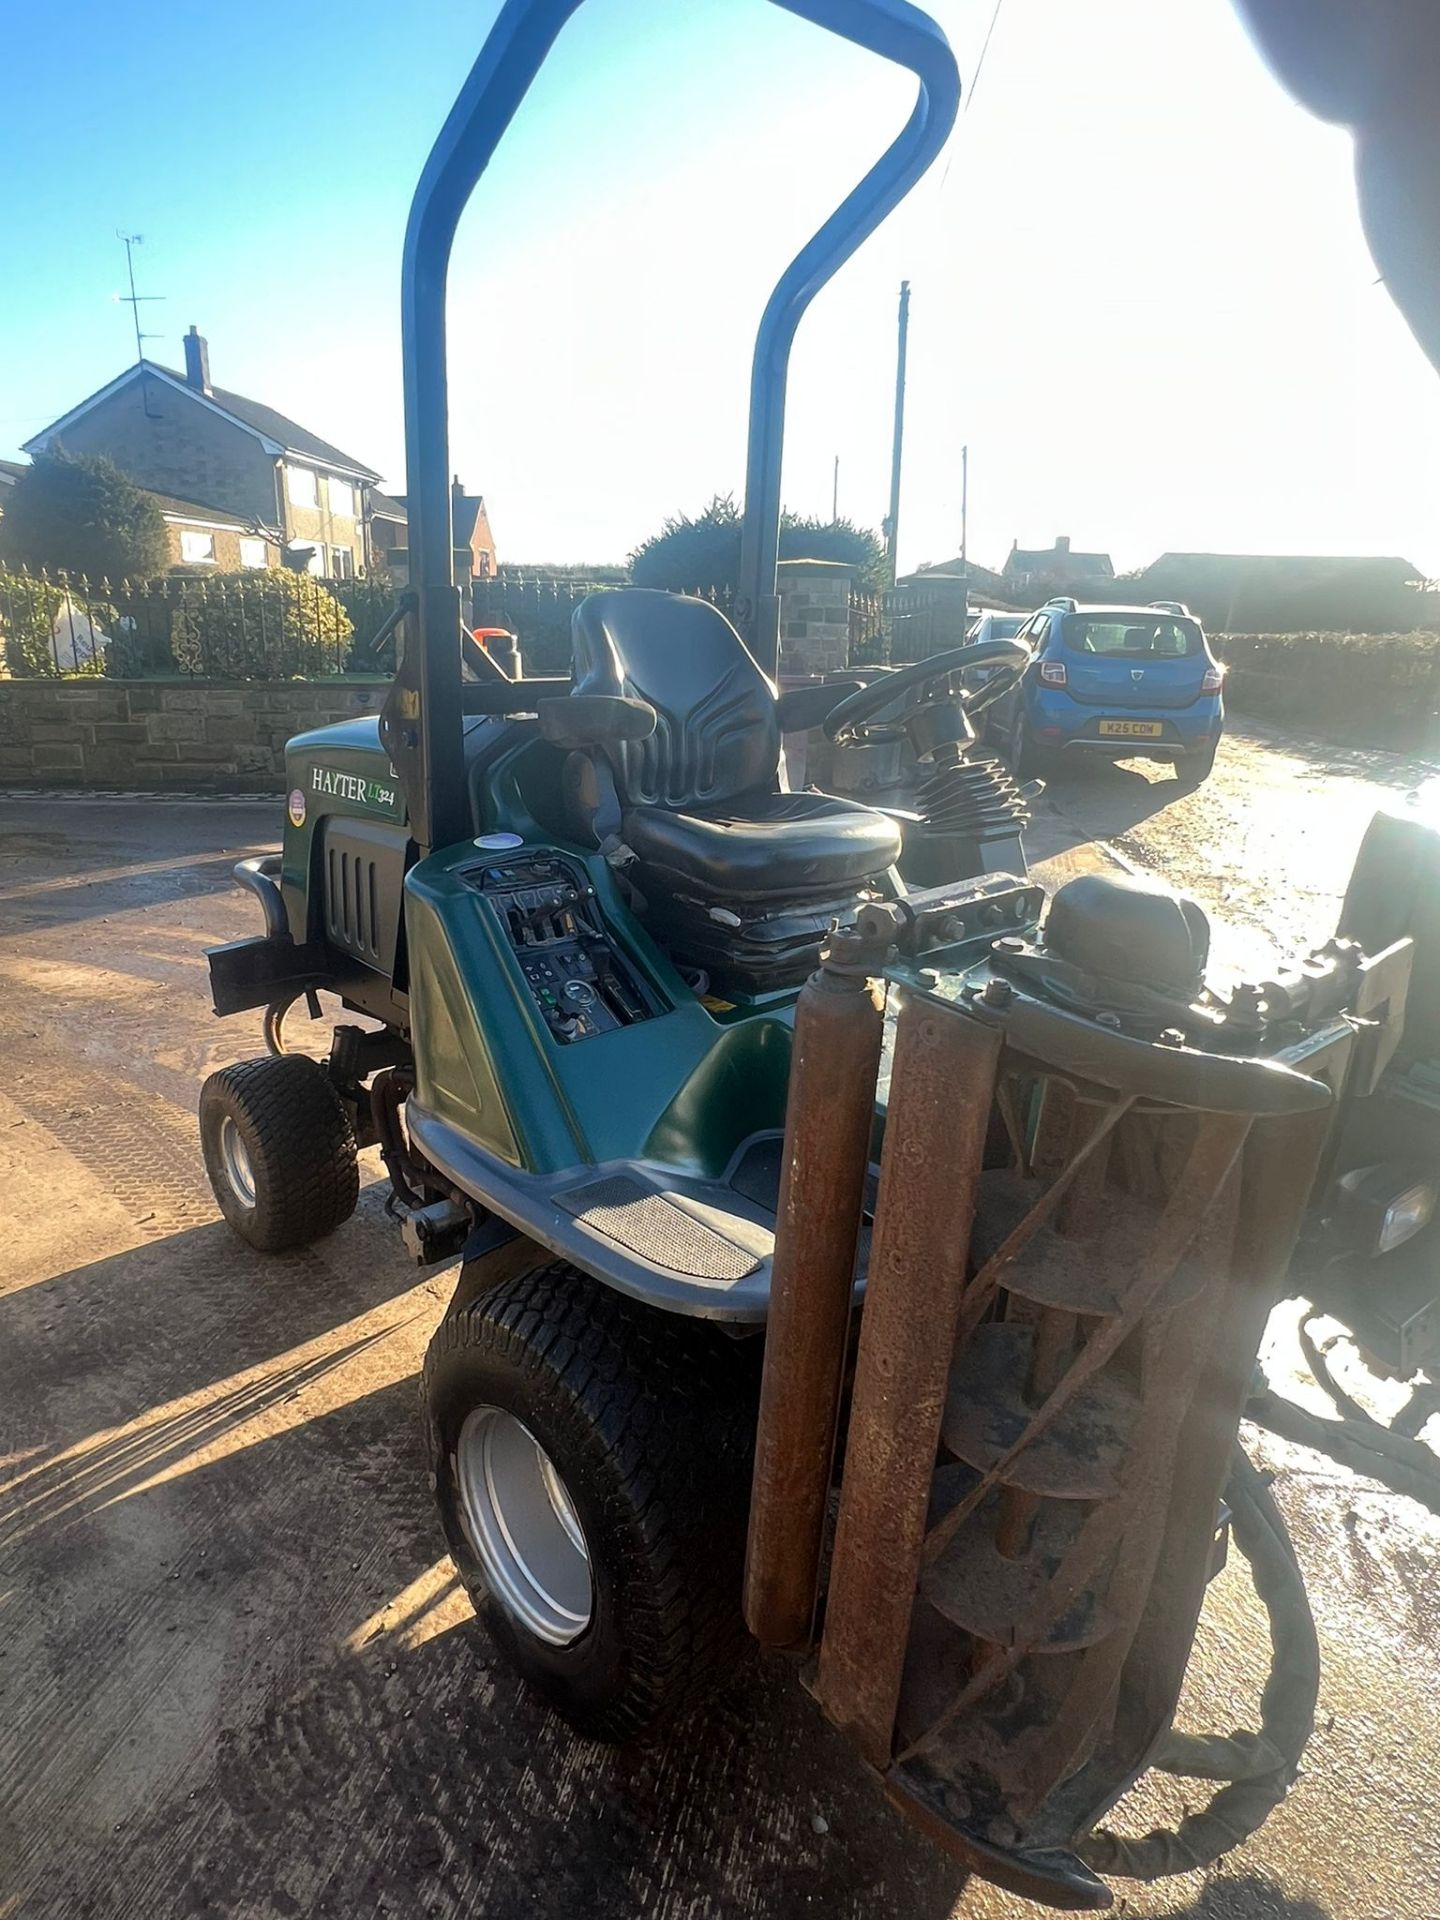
736 879
786 845
698 802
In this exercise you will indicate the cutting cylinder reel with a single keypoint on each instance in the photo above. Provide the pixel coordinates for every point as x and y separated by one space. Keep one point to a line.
1066 1282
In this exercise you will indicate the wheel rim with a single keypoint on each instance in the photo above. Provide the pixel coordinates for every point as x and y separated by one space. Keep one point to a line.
523 1526
235 1158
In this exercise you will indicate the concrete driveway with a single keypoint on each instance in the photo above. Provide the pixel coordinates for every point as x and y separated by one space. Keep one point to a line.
236 1676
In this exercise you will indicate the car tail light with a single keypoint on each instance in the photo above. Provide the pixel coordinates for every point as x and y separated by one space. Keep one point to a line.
1213 681
1052 673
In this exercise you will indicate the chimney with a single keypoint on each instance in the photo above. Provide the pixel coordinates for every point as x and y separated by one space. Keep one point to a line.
197 361
1062 540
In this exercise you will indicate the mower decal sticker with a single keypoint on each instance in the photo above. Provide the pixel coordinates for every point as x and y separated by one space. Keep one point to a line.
297 807
373 794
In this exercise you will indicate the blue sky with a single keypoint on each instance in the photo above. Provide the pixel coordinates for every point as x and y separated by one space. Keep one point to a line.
1141 293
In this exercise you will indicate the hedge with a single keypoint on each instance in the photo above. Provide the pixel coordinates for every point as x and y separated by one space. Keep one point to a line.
1378 690
250 625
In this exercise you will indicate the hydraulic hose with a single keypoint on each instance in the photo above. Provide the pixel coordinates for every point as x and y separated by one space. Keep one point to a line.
1397 1462
1257 1768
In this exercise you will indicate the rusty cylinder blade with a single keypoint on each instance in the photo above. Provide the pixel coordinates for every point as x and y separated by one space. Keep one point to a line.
942 1087
830 1111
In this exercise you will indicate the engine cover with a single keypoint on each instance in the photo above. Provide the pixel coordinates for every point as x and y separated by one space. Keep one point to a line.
1121 927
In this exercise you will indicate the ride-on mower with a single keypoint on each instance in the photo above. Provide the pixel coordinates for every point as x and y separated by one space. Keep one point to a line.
855 1246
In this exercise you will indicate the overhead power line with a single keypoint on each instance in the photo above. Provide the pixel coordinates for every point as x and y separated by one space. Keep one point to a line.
980 63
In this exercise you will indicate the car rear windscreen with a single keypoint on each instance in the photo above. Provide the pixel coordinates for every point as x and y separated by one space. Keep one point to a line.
1130 636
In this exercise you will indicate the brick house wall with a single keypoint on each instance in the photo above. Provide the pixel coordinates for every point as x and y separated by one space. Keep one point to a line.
167 440
320 525
227 544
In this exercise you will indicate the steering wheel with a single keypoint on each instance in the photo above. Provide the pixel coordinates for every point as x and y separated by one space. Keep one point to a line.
851 722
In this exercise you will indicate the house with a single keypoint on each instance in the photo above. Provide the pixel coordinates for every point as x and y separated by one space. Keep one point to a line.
262 474
982 584
201 536
473 542
10 472
1293 593
471 524
198 535
1030 568
389 535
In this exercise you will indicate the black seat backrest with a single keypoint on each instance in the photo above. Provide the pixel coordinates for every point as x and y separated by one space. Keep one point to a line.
717 734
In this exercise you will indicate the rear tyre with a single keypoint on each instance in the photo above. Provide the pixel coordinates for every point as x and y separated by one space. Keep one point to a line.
1027 760
591 1461
1394 892
280 1151
1195 768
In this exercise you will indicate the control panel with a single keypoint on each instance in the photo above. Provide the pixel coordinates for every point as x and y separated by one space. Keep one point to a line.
577 981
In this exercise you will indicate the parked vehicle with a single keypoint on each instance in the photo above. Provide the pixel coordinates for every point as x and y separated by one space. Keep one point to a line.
1121 682
994 626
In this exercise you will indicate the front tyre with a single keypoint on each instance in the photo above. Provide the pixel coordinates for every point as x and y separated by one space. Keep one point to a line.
591 1461
280 1151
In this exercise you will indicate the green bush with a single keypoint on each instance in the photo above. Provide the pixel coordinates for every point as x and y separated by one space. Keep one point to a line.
29 610
1377 690
256 626
702 552
78 513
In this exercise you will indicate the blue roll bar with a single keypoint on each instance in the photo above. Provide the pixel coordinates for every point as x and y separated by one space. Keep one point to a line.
516 49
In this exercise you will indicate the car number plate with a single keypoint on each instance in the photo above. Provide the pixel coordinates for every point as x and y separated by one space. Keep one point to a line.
1132 729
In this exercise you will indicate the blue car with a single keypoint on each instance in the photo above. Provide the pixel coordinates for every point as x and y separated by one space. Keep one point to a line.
1121 682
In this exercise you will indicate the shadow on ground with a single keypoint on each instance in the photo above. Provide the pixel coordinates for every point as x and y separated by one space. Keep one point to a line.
239 1678
1247 1896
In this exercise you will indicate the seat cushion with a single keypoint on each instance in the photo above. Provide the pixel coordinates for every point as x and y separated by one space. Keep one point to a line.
780 845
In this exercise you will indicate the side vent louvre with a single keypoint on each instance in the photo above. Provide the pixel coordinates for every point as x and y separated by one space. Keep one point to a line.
363 869
351 896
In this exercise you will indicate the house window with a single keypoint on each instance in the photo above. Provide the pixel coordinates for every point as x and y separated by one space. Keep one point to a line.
342 564
196 548
342 497
301 483
252 552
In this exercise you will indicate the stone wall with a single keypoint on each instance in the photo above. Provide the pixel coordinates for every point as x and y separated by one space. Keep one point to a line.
814 616
193 736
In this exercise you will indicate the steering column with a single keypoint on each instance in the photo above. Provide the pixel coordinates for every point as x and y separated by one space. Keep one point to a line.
969 812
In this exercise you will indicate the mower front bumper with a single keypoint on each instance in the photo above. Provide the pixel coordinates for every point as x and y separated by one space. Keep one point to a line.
265 968
268 966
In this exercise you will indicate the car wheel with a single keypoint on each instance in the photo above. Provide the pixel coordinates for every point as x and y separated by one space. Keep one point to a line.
1194 768
1027 760
279 1150
591 1461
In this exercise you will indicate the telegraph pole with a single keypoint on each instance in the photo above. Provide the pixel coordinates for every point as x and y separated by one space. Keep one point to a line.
835 495
892 526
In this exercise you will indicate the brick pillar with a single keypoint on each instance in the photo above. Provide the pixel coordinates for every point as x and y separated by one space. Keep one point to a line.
814 616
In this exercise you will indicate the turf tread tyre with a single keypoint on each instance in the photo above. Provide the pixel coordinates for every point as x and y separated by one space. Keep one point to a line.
650 1422
301 1145
1394 891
